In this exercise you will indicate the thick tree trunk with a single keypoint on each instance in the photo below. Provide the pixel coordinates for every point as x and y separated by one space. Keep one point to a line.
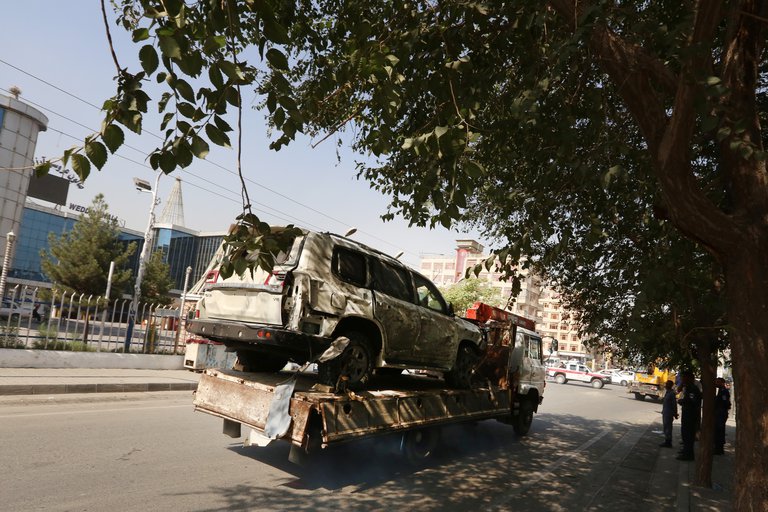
703 476
747 289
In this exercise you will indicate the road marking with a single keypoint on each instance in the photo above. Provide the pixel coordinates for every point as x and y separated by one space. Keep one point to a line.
538 476
62 413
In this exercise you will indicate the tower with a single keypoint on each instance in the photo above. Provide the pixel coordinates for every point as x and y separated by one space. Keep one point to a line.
173 211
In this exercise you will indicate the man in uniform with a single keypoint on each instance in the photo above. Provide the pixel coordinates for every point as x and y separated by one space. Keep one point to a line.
722 405
690 404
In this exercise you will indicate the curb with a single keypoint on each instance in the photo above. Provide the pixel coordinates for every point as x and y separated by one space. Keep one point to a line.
59 389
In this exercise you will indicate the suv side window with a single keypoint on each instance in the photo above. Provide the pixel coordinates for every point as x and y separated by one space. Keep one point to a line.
428 296
349 266
391 280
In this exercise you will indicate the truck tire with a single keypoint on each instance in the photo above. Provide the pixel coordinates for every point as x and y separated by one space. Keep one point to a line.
249 361
463 371
597 384
418 446
521 421
560 378
352 368
639 396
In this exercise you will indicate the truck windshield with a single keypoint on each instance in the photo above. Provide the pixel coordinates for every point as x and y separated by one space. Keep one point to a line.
284 258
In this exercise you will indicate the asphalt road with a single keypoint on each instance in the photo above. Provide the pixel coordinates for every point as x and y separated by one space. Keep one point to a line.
150 451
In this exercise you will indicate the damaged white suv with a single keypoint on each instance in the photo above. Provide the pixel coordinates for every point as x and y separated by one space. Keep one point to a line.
328 287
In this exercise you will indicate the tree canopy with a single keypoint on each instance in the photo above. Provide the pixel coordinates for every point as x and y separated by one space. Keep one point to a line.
79 260
157 281
468 291
560 116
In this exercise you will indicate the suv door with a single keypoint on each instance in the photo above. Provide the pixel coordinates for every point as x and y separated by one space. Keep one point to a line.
393 307
437 344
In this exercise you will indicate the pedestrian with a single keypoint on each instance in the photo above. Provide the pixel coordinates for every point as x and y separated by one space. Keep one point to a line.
722 406
36 314
668 413
690 405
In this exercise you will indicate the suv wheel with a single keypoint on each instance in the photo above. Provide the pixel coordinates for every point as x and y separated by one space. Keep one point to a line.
354 366
248 361
460 376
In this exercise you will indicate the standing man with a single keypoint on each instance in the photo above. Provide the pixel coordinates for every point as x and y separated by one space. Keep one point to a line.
668 413
722 406
690 403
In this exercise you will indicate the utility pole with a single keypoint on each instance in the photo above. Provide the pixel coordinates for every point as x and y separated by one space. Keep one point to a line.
142 186
10 238
182 318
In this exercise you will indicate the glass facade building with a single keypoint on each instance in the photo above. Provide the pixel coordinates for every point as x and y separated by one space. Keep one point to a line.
181 247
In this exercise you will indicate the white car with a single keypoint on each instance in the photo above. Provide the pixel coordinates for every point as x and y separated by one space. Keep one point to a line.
12 310
621 377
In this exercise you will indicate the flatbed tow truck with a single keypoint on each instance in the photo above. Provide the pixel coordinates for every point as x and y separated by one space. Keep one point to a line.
295 408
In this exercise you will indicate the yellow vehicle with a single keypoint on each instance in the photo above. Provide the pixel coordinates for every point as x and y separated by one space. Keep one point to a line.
650 383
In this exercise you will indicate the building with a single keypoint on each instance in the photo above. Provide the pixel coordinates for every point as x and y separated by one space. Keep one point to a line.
535 300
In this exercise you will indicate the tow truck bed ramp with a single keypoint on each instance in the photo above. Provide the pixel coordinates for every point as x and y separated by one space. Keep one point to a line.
412 402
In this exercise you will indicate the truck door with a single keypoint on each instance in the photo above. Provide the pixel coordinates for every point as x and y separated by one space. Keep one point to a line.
393 307
437 343
533 371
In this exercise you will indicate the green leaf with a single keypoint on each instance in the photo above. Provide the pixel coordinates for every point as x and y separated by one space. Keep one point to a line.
199 147
217 136
170 47
185 90
113 137
81 166
167 162
222 124
140 34
97 153
277 59
42 169
440 131
275 32
183 155
148 58
474 169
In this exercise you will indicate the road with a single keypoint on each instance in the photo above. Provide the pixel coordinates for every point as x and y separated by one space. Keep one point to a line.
150 451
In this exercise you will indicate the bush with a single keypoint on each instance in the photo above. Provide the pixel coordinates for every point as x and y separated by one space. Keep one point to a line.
72 346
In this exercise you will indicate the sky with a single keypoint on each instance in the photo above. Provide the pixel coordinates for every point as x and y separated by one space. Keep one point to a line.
56 52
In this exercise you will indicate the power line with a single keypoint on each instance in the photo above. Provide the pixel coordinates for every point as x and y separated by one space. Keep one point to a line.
215 164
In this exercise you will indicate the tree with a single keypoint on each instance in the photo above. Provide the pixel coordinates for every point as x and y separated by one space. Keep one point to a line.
157 281
521 96
467 291
79 260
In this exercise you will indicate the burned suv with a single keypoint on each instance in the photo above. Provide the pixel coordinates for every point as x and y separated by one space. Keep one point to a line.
329 287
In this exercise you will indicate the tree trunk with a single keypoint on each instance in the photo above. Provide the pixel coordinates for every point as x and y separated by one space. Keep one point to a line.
747 288
703 476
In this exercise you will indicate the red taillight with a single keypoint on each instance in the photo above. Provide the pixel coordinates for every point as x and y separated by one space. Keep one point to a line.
275 279
212 276
197 313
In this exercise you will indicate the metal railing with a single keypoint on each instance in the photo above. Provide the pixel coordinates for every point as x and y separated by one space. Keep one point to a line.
80 322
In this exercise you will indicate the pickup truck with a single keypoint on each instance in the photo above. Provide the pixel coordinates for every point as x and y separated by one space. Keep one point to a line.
576 371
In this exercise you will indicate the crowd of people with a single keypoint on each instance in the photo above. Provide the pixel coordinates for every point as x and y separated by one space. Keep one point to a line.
687 395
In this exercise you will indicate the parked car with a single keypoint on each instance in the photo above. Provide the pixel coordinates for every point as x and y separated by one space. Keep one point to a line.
621 377
327 287
14 311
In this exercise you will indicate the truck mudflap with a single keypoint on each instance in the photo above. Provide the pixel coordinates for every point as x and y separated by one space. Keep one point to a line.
245 398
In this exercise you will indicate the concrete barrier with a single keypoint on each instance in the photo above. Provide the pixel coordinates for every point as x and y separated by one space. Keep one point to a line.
20 358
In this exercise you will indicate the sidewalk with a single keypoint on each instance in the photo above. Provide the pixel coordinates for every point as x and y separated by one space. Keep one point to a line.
50 381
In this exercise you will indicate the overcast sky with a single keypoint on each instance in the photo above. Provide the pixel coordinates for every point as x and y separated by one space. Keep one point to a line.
64 67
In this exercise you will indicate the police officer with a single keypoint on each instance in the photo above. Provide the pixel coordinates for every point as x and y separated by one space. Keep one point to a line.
722 406
690 404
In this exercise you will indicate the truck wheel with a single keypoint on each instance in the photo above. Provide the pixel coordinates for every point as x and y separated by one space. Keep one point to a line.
249 361
354 366
560 378
418 446
639 396
460 376
521 421
597 383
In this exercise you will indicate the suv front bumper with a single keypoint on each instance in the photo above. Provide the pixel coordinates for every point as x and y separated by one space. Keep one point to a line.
266 338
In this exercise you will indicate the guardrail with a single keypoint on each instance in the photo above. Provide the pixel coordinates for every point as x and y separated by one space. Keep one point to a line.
80 322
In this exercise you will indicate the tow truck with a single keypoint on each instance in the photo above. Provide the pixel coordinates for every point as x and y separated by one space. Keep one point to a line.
296 408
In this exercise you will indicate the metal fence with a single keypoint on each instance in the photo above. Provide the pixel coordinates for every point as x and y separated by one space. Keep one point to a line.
80 322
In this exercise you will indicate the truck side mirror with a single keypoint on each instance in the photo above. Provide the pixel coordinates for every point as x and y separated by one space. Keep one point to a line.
450 310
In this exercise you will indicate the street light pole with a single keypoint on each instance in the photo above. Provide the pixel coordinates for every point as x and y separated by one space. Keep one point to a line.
142 262
182 319
10 238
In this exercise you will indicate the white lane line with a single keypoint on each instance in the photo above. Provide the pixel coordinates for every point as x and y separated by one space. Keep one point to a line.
538 476
64 413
